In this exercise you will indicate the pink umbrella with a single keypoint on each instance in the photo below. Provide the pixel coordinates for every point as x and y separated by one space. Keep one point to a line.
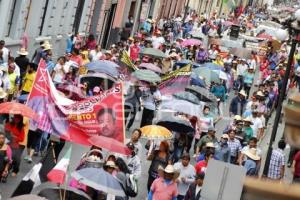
228 23
265 36
190 42
151 67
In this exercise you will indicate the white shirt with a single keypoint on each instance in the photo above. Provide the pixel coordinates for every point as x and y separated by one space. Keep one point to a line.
257 124
5 54
149 99
241 69
157 41
198 188
96 55
188 173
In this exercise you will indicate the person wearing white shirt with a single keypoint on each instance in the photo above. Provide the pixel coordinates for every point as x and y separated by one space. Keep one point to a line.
158 40
242 68
150 98
186 177
5 51
96 54
257 125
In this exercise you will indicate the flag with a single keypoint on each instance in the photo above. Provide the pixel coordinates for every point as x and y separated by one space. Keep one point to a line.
175 81
37 175
70 120
127 61
30 181
58 173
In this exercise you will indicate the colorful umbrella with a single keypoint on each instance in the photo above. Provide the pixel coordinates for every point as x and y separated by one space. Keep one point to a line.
109 144
153 52
176 124
153 132
104 66
181 106
18 109
187 96
190 42
202 93
146 75
151 67
100 180
207 74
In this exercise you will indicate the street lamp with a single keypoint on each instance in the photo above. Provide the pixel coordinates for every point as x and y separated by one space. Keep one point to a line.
282 34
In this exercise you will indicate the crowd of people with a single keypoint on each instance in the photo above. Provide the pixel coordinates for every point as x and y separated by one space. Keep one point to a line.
171 174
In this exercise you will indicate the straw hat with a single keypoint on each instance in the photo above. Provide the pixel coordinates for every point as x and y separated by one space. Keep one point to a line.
22 52
292 116
47 47
110 164
108 52
169 169
46 42
237 118
260 94
210 145
225 136
3 94
251 153
242 92
248 120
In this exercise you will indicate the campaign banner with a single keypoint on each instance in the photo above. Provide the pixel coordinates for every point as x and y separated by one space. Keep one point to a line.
76 121
175 81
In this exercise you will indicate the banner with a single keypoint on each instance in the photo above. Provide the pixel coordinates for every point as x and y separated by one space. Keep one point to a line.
76 121
175 81
125 58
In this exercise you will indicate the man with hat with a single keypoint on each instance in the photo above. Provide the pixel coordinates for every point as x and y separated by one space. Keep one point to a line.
252 143
38 53
238 103
210 137
251 162
186 177
257 124
165 187
194 191
222 151
22 61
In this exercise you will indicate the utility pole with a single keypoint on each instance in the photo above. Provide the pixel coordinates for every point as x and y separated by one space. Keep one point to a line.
136 19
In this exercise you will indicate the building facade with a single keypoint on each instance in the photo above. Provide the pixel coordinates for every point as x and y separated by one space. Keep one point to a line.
55 20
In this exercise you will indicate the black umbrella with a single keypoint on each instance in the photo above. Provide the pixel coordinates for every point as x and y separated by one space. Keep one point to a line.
176 124
56 193
187 96
202 93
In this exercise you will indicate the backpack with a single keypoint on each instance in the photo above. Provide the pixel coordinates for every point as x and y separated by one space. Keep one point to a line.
131 188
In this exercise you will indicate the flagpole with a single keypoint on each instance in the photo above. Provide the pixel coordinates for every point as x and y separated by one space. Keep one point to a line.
65 181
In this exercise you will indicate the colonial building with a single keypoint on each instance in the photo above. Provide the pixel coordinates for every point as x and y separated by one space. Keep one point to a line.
54 20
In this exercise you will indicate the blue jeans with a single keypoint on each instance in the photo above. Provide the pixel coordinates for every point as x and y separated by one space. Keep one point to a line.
43 143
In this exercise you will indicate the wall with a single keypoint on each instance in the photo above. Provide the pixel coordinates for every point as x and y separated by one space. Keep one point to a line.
28 15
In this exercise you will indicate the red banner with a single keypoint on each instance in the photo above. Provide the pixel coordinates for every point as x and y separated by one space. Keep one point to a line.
76 121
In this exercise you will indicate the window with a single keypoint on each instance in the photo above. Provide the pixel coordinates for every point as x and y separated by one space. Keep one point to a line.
44 17
11 18
78 15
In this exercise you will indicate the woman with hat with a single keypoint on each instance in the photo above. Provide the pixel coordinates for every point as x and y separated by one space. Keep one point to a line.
251 162
165 187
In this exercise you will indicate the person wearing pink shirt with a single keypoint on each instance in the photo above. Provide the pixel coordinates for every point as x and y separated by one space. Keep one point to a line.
134 51
164 187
